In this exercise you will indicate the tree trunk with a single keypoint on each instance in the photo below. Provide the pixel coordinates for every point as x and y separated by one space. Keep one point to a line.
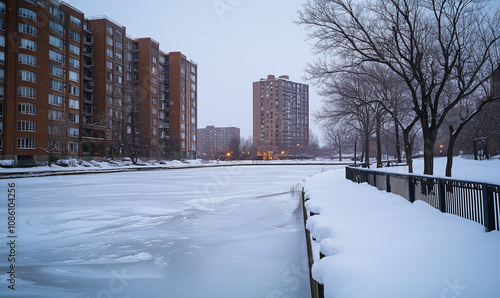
340 154
449 152
398 145
474 146
429 142
367 151
379 143
408 150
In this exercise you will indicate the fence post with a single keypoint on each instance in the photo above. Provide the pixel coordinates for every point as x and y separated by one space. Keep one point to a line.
441 195
387 182
411 189
489 212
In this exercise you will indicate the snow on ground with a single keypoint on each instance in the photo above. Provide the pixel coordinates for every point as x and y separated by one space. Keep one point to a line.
201 232
463 169
377 244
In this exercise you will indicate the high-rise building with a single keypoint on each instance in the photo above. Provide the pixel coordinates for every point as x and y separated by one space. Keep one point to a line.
41 79
214 141
280 115
181 97
81 87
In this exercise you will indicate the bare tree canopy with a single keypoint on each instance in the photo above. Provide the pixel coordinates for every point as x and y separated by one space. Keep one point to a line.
444 50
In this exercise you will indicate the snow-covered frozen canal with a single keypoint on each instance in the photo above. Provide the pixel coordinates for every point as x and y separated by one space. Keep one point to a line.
207 232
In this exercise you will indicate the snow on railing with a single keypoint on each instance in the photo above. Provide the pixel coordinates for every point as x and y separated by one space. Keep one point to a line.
475 201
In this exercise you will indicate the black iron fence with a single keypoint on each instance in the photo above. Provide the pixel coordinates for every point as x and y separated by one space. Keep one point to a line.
476 201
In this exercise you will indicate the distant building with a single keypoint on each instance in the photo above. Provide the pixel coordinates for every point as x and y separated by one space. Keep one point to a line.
72 86
215 141
280 116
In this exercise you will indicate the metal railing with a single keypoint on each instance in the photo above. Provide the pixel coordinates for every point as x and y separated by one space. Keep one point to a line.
475 201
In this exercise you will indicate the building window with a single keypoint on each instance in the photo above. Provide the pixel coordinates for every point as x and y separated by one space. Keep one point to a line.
27 60
109 88
1 127
74 49
2 7
109 29
2 41
109 112
25 143
27 13
57 42
73 132
2 92
58 28
26 108
119 68
74 90
109 76
193 120
119 45
27 44
73 147
26 28
74 104
1 109
25 75
26 92
193 146
75 35
74 62
75 21
55 70
109 52
55 100
55 115
119 57
109 40
2 57
55 56
74 118
109 65
74 76
2 75
23 125
119 79
55 85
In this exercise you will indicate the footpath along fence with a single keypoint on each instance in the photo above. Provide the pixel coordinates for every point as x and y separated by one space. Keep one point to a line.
475 201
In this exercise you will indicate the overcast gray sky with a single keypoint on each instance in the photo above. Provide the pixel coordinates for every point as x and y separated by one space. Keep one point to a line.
234 42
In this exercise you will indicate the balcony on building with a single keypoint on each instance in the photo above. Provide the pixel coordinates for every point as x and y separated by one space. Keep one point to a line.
88 86
88 51
88 97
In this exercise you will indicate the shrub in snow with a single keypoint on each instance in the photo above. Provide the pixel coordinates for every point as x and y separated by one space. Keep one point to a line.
62 163
84 163
7 163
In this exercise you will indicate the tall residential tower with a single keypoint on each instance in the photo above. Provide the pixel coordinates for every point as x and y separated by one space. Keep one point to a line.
280 115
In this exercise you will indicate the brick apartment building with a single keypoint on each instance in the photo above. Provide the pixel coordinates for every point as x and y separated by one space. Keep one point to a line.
81 87
214 141
280 116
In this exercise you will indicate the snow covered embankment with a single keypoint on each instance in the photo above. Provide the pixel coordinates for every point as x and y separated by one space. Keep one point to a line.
377 244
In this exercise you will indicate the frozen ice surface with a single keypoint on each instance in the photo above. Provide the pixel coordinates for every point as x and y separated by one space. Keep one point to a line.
208 232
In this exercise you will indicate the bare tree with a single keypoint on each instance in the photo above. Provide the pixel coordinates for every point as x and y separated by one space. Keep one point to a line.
348 100
429 44
126 131
338 136
58 135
